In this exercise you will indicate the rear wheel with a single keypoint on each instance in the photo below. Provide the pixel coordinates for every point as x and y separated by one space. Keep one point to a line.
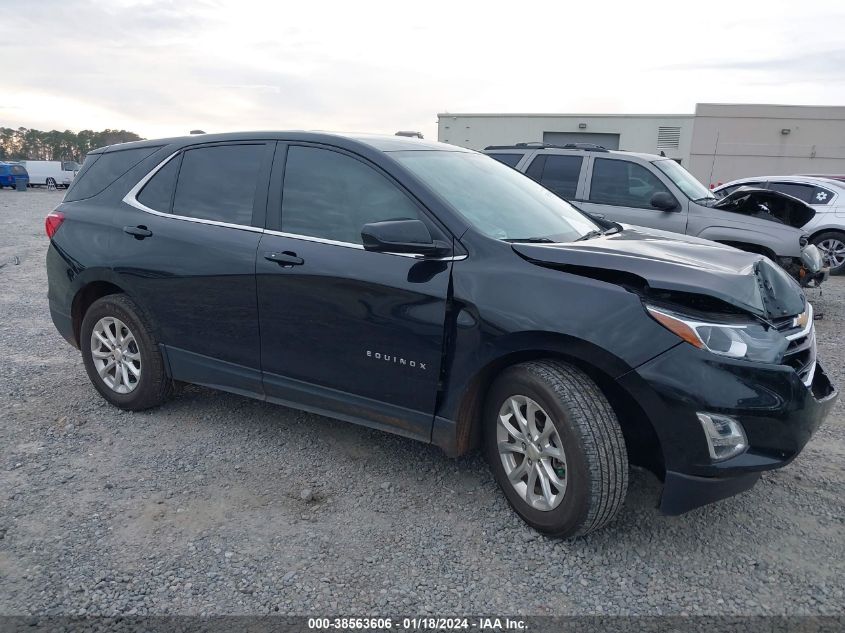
832 246
556 448
121 355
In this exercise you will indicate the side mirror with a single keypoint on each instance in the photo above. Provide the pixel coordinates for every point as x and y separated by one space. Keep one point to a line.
402 236
664 201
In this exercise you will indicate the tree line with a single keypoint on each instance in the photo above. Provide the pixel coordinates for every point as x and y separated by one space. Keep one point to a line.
28 144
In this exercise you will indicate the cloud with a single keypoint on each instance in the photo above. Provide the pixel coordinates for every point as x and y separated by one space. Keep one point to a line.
163 67
828 64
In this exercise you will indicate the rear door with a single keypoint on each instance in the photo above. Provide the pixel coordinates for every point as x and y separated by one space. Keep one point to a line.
187 254
620 190
347 332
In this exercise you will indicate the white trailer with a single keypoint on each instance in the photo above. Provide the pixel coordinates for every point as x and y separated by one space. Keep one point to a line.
59 173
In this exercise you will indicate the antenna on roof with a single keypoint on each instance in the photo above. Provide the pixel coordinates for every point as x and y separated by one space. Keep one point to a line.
197 132
409 134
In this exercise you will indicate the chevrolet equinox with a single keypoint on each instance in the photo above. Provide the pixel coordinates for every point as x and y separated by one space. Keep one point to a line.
433 292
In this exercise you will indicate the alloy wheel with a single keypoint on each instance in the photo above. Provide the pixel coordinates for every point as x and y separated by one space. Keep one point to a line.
833 251
531 452
116 356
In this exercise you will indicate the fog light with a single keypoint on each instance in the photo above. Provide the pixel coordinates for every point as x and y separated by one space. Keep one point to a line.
725 436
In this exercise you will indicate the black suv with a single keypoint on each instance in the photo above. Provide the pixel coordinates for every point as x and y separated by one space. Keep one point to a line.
433 292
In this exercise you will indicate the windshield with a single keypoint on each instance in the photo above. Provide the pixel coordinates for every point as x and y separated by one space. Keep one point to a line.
684 180
497 200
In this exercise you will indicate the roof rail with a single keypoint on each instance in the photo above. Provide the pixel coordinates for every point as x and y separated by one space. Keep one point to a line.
589 147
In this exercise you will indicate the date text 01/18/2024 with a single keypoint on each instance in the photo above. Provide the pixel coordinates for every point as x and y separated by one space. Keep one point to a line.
429 623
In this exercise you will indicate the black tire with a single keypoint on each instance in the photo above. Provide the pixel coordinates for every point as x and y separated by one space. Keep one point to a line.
596 460
153 386
832 235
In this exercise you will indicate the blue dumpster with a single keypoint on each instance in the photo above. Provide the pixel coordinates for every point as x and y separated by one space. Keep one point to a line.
21 183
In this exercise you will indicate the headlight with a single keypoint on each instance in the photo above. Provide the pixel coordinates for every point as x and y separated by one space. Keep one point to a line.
750 341
811 257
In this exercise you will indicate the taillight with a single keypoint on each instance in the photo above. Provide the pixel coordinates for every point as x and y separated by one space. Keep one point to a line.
53 222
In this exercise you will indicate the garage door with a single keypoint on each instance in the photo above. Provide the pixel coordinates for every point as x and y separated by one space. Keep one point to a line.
609 141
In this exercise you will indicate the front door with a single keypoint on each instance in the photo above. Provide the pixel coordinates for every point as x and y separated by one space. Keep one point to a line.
347 332
620 190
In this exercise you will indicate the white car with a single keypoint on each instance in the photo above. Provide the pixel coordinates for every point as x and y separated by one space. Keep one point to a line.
827 197
56 173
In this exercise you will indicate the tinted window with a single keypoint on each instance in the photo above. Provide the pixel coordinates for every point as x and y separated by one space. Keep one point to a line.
508 159
821 196
808 193
18 170
724 191
623 183
332 196
535 169
218 183
157 194
802 192
560 174
101 170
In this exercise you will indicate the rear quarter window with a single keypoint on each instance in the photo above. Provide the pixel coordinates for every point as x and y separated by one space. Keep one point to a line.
508 159
101 170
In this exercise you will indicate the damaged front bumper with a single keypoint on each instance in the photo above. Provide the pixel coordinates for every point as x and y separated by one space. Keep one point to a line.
777 411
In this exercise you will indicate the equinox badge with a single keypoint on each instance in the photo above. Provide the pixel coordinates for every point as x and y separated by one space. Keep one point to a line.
398 360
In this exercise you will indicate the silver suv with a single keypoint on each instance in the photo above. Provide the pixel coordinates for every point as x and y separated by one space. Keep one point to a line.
654 191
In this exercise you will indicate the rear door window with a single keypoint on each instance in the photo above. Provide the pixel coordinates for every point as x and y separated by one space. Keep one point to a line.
535 169
508 159
560 174
623 183
218 183
808 193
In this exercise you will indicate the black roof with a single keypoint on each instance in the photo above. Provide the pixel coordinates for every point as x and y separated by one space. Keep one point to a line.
380 142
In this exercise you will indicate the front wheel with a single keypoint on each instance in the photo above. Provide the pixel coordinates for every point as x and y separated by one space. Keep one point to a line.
556 448
121 355
832 246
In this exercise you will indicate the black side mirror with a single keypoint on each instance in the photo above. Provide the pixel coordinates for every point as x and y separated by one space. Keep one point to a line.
664 201
402 236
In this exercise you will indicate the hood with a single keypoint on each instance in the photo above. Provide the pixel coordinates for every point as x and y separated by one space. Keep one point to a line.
768 205
648 260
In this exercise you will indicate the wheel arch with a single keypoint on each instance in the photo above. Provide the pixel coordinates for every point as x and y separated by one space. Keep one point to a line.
641 439
828 229
85 296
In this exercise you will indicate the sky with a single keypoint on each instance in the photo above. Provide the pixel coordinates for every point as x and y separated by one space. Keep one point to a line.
163 68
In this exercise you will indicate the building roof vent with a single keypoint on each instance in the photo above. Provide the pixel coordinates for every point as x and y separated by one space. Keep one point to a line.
668 137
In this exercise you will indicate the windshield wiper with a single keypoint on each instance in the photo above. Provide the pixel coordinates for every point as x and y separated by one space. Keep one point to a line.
591 234
530 240
587 236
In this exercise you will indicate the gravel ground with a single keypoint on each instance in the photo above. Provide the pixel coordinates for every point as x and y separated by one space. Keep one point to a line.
220 504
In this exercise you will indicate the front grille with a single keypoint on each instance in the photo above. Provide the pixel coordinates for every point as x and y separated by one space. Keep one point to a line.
801 352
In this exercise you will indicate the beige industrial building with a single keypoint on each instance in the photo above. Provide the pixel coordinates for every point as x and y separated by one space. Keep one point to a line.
718 143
